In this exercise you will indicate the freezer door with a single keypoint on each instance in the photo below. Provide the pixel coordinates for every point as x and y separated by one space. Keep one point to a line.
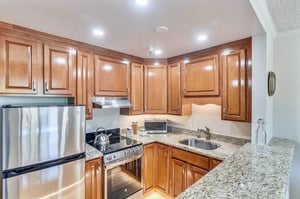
32 135
65 181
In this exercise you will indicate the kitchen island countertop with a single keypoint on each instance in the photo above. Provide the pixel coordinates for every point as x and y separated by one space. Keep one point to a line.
253 172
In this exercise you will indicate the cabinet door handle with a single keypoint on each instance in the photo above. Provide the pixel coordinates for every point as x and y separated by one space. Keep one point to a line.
33 86
224 111
46 87
182 170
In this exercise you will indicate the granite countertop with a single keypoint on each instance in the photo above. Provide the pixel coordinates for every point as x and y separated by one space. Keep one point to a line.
225 150
253 172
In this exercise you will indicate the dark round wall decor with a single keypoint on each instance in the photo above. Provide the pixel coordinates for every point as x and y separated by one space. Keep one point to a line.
271 83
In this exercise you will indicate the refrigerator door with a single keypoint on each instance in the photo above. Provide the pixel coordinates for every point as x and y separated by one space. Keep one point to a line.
31 135
65 181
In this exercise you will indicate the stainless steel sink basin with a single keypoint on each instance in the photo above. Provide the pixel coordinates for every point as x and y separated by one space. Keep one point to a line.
201 144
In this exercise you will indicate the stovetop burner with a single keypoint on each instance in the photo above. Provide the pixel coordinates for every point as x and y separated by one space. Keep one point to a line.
117 142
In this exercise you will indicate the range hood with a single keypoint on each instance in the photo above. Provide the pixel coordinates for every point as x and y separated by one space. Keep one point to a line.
110 102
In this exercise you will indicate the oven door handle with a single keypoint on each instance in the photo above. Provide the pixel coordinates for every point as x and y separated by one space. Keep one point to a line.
120 162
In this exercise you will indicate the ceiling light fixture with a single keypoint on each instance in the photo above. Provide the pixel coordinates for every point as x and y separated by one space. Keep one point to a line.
158 52
156 64
161 29
141 2
98 32
202 37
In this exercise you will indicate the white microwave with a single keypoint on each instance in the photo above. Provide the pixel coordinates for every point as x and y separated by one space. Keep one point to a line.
156 126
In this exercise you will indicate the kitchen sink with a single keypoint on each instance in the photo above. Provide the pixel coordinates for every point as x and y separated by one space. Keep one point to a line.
201 144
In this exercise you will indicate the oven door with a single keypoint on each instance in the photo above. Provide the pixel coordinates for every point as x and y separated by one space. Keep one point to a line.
123 180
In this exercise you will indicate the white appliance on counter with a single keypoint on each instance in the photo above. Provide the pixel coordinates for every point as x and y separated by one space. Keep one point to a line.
43 152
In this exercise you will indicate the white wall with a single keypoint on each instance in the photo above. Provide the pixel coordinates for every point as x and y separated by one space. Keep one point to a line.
287 97
202 115
259 80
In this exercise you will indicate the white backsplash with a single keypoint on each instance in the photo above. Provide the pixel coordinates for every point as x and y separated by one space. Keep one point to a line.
202 115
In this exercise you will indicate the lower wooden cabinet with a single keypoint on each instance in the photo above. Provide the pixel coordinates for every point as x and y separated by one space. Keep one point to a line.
148 167
177 177
194 173
214 163
93 179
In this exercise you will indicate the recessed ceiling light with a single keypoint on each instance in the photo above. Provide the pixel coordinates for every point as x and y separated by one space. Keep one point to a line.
98 32
161 29
156 64
158 52
186 61
125 61
141 2
202 37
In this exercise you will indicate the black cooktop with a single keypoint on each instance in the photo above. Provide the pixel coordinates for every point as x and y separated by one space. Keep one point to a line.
117 142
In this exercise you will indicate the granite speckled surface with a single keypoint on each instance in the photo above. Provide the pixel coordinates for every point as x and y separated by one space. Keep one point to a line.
225 150
172 139
253 172
91 153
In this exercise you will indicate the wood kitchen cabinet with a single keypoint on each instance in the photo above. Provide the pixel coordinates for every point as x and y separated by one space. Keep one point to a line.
59 69
148 167
84 81
200 76
214 163
155 89
21 65
162 167
175 105
93 179
234 99
137 89
185 169
112 77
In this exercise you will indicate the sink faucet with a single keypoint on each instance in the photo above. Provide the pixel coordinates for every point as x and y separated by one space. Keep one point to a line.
206 131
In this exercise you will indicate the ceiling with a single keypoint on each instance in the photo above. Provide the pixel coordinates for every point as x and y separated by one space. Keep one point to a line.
285 14
130 28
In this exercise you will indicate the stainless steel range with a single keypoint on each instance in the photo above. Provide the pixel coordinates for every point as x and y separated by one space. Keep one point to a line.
122 161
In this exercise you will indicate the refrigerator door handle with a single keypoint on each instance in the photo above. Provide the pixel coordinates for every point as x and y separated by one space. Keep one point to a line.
23 170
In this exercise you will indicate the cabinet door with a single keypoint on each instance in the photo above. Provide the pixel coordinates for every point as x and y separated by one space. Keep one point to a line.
201 76
234 88
155 89
174 95
59 69
20 65
111 77
137 88
194 174
177 177
93 179
85 82
162 168
148 167
214 163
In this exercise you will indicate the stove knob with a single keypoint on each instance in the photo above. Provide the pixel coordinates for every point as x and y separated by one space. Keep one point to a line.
109 158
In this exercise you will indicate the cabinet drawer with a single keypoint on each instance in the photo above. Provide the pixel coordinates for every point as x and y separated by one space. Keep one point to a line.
195 159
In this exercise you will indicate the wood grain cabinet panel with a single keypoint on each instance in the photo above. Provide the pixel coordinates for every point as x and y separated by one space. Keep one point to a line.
175 106
93 179
162 167
148 167
59 69
201 76
194 174
178 177
234 85
137 89
111 77
84 81
155 92
20 65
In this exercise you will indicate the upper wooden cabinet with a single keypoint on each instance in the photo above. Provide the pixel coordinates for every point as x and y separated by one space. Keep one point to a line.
200 76
20 65
175 105
234 85
59 69
84 81
155 90
137 89
111 77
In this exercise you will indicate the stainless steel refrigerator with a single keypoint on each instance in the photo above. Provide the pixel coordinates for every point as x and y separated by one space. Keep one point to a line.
43 152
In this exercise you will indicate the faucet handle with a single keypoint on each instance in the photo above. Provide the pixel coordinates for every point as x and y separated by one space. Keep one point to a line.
207 129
